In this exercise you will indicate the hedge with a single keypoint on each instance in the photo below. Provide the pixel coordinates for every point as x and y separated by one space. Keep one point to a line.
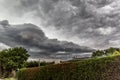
107 68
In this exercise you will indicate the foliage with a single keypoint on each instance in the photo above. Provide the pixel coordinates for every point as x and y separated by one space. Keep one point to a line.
12 59
92 69
107 52
116 53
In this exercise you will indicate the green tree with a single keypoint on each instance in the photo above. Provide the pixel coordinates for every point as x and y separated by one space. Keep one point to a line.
98 53
111 50
107 52
13 59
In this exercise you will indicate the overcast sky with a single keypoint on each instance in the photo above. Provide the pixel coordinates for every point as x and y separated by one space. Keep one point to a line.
92 23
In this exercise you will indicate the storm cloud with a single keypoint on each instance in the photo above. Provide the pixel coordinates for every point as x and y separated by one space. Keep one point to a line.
35 41
92 23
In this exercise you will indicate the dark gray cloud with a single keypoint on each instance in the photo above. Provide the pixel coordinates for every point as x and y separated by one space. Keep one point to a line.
33 38
93 23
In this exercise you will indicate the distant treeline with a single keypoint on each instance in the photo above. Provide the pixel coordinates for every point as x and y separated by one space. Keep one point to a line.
31 64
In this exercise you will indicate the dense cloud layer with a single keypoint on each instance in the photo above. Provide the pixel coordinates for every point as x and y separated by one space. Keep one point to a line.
93 23
33 38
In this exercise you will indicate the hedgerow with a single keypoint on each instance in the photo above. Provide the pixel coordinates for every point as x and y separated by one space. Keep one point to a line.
107 68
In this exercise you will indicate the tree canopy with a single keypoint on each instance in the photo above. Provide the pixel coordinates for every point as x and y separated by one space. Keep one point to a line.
106 52
13 58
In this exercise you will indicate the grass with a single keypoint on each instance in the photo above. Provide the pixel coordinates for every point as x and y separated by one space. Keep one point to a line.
9 79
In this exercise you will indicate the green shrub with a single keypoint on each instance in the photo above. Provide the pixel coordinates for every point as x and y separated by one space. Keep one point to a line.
106 68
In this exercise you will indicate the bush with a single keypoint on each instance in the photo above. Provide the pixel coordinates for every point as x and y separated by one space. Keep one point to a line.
106 68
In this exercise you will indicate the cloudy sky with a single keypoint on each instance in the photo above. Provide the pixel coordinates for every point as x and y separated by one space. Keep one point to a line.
91 23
